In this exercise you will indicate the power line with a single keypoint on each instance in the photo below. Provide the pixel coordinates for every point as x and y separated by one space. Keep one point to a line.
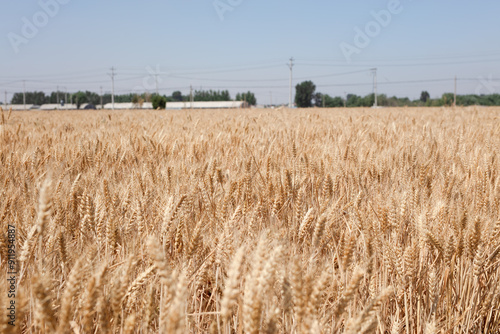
236 69
67 74
382 64
415 59
130 74
360 84
272 80
76 77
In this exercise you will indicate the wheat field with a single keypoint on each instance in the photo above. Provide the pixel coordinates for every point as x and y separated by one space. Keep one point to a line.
252 221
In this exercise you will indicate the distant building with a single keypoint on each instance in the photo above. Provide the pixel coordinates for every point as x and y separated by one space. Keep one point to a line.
206 105
57 107
128 105
21 106
181 105
145 105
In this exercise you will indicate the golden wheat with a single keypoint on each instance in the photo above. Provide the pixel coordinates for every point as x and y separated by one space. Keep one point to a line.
254 221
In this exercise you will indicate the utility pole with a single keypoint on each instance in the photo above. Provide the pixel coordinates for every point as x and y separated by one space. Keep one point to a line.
24 94
66 99
455 94
374 70
291 78
156 82
191 96
57 94
112 88
102 105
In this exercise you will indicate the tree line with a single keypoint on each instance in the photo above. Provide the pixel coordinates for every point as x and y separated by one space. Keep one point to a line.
81 97
306 97
203 95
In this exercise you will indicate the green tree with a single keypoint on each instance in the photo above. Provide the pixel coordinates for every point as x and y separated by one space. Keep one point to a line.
318 100
93 98
159 102
424 96
333 102
225 96
177 96
52 98
368 100
304 93
248 97
124 98
211 95
79 98
17 98
36 98
447 99
382 100
354 100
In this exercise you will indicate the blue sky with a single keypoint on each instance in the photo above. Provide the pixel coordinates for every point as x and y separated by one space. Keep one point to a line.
245 45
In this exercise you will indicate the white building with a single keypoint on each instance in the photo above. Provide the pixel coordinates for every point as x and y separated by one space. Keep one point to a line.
181 105
205 105
58 107
145 105
21 107
129 105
